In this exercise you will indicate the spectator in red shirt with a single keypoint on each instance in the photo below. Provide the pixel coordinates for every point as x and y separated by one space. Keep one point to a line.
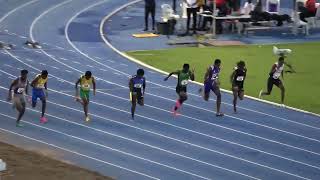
309 10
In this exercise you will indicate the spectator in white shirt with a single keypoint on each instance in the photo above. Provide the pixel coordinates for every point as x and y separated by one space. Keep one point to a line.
192 8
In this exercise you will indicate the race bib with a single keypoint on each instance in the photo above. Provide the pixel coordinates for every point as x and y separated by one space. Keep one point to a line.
20 90
240 78
214 76
138 85
86 86
184 82
276 75
40 86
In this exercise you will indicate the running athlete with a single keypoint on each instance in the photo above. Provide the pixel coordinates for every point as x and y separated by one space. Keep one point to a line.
39 90
211 83
237 79
85 83
137 85
274 79
20 90
183 78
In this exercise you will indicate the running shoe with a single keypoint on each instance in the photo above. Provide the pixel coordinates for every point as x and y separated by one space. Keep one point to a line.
19 124
43 120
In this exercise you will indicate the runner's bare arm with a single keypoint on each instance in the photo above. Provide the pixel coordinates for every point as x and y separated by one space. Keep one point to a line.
192 75
130 85
33 83
176 72
232 76
144 85
10 88
94 85
206 75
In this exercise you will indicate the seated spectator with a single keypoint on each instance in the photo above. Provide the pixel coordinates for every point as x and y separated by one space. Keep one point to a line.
309 10
258 15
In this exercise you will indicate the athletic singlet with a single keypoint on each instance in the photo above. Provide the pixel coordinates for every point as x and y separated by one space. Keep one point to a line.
138 82
278 71
239 75
20 88
183 78
85 83
41 82
214 74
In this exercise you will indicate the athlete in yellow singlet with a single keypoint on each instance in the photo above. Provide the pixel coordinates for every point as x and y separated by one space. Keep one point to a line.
85 82
39 85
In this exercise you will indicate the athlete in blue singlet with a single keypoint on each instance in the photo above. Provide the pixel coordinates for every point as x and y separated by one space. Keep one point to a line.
137 85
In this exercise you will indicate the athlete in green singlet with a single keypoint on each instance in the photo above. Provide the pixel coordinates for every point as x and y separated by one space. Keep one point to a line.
183 78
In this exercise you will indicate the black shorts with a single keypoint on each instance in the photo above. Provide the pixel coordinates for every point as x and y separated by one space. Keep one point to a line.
271 82
239 85
138 95
180 89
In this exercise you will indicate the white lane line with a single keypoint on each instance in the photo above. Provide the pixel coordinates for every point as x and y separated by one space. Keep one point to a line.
68 71
112 149
42 64
258 137
3 52
11 77
77 153
118 74
71 50
7 65
38 52
122 64
109 60
27 59
23 37
76 62
65 59
98 57
90 66
59 47
54 67
103 70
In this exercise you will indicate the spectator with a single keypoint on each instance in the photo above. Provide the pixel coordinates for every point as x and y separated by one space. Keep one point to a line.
309 10
150 7
192 8
248 7
258 15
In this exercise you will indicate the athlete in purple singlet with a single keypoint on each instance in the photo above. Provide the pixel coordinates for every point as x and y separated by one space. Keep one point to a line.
211 83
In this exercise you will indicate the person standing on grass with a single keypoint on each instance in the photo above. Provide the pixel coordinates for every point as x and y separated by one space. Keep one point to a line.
20 90
237 80
149 8
183 78
39 90
192 8
85 82
274 79
137 86
212 83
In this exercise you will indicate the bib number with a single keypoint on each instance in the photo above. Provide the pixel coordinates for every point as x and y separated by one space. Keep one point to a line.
214 76
184 82
40 86
240 78
138 85
276 75
20 90
86 86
